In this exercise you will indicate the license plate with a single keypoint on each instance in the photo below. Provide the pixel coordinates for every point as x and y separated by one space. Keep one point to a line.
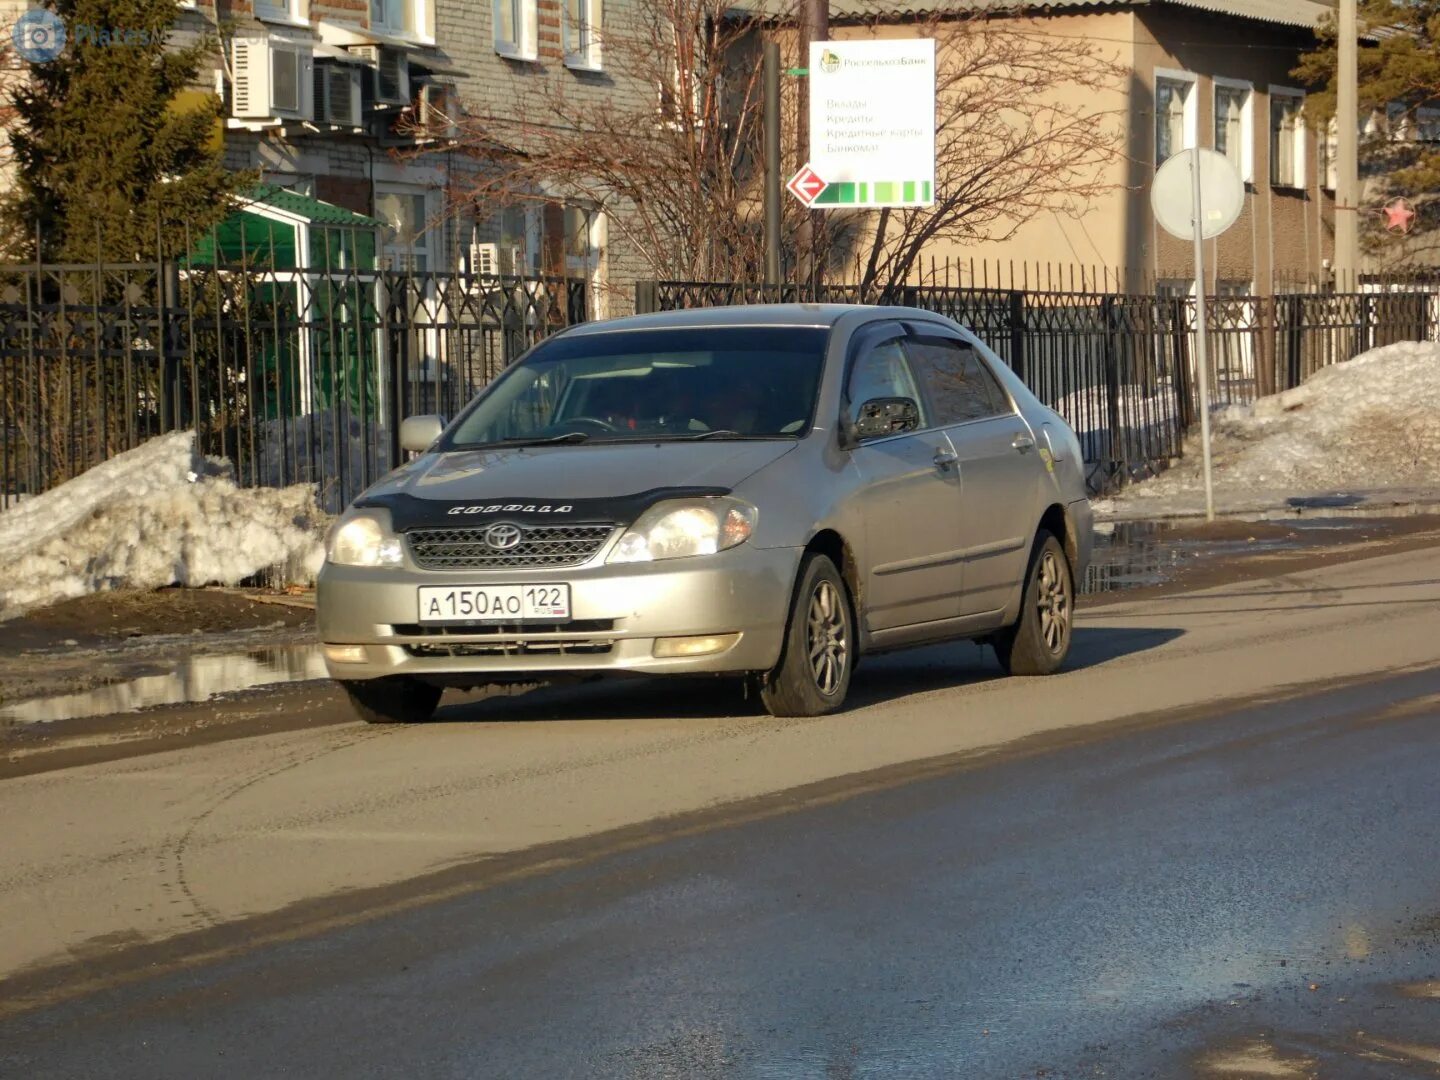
493 603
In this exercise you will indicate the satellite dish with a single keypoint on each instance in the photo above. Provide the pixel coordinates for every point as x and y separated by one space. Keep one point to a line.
1222 194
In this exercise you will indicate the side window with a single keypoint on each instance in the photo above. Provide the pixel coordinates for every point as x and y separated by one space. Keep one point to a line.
959 384
881 370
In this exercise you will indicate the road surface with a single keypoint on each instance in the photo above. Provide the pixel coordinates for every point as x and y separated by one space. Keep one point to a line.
1139 867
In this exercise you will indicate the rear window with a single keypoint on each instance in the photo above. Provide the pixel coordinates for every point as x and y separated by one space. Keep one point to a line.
739 382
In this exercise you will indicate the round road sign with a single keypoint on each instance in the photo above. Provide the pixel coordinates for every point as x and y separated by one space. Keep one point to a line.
1222 194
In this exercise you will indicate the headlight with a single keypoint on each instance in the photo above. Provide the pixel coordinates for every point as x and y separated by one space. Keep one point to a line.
681 527
363 541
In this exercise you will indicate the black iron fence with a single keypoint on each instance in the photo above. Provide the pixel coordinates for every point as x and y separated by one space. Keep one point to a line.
302 376
294 376
1122 368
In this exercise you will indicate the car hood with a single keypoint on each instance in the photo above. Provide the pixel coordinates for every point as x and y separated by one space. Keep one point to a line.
574 474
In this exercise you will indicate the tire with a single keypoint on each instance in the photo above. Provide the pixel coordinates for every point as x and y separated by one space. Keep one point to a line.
821 623
1039 641
395 699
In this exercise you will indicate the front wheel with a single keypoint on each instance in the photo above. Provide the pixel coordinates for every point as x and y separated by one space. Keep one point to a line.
394 699
1039 641
813 675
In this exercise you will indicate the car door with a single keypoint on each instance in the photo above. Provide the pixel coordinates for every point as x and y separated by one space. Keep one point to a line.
908 494
999 464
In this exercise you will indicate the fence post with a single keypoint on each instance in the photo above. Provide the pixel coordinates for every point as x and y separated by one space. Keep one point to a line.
1017 337
1365 336
1268 332
577 297
1295 341
647 297
1118 457
169 289
399 336
1180 344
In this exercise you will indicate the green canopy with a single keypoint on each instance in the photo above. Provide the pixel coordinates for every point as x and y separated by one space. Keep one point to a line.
266 232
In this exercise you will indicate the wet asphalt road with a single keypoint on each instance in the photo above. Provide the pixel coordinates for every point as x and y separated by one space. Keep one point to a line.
1143 902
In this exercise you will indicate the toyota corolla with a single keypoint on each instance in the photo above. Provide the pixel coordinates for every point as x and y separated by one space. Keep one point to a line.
765 492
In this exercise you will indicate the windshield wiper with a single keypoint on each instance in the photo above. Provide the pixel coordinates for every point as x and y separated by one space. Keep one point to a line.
531 440
719 433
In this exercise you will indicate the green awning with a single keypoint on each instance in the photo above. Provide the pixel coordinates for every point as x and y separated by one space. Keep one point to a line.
264 233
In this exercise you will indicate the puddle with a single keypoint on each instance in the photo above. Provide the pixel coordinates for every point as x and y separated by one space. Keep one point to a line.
192 680
1133 554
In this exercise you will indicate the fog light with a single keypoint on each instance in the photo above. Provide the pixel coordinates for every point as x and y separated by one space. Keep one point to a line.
694 646
346 654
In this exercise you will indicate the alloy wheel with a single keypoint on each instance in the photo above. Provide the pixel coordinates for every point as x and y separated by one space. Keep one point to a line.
1053 601
827 637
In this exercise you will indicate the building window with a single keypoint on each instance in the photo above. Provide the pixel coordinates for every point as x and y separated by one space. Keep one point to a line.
1174 114
408 242
281 11
515 29
1287 138
581 33
1329 153
1233 125
409 17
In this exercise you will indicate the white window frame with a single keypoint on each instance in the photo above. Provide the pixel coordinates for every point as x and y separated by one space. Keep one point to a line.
1301 162
1329 150
582 52
431 239
283 12
1190 117
526 42
1247 122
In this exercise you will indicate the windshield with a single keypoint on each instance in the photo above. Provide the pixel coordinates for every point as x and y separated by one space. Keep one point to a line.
715 383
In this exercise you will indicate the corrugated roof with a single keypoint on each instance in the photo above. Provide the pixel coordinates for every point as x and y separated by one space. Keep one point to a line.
1303 13
313 210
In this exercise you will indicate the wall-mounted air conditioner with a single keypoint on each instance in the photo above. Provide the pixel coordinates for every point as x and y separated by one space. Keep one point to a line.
390 74
337 95
273 79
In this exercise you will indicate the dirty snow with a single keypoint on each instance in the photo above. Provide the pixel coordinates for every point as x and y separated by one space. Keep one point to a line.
1369 424
161 514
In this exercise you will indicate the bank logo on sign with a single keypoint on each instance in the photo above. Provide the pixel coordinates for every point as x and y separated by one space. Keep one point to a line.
829 62
39 36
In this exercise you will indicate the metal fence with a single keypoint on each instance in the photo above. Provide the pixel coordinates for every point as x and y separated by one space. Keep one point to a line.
302 376
1121 368
294 376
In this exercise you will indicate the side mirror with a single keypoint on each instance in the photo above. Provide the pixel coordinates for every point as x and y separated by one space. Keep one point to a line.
418 433
886 416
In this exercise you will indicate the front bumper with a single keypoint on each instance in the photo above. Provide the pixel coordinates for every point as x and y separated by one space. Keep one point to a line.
1082 515
617 613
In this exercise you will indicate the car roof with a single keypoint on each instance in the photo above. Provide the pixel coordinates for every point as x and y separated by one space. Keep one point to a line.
823 315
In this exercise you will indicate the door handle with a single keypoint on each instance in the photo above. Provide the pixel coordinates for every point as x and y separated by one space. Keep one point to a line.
1023 443
944 459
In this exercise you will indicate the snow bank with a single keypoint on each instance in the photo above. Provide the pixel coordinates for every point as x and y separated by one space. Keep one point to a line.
160 514
1371 422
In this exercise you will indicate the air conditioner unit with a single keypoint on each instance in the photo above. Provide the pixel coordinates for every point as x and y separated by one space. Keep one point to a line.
485 260
390 77
273 79
337 95
437 113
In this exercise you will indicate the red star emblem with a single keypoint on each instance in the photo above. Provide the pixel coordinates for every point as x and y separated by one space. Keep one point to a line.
1399 215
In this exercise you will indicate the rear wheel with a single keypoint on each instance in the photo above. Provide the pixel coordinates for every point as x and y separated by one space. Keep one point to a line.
813 675
395 699
1040 639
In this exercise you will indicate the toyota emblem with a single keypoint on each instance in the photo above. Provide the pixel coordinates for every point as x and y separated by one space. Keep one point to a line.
502 537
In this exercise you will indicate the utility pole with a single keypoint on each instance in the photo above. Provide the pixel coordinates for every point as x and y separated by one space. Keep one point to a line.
772 163
814 26
1347 182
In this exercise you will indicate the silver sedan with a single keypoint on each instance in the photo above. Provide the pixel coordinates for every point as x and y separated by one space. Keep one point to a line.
766 492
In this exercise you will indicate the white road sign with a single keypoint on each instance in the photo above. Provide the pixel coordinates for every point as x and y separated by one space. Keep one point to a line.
872 122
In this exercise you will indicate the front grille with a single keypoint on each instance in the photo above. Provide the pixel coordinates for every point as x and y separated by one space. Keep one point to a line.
513 647
539 546
574 626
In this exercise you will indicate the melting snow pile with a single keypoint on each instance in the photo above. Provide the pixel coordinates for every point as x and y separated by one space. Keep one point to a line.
1371 422
161 514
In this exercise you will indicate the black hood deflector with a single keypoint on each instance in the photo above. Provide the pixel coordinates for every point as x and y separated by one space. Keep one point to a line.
407 512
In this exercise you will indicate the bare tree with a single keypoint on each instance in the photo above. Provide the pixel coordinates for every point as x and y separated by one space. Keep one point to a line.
673 150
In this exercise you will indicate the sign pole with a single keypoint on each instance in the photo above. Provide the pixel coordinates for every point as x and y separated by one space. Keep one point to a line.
1202 359
772 163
